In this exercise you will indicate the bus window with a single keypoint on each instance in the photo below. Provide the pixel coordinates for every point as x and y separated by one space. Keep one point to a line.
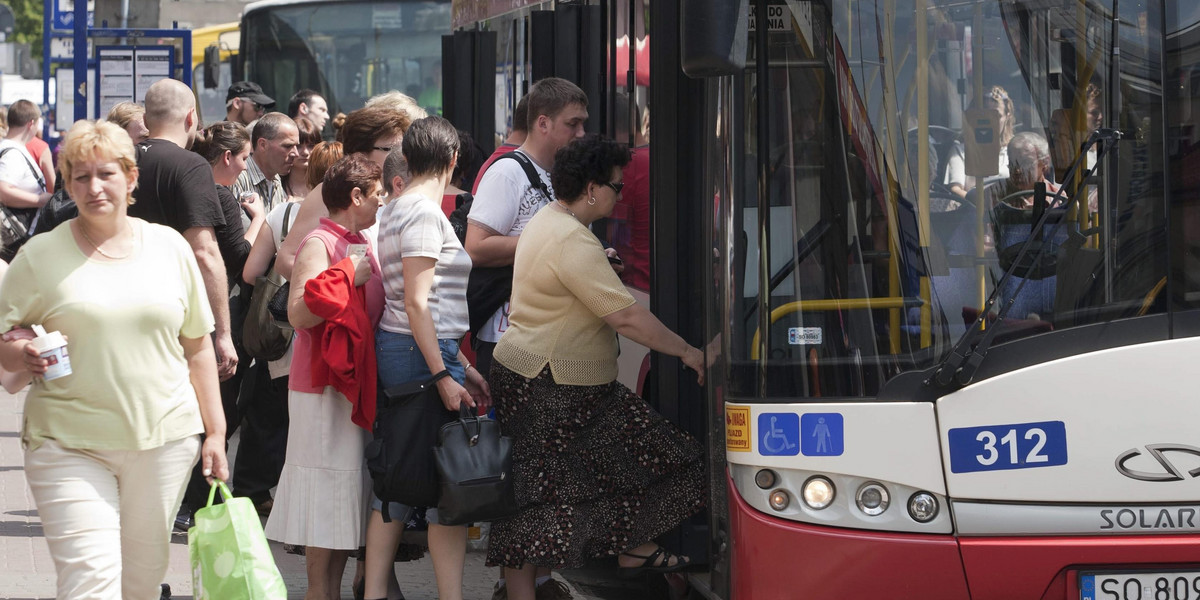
349 51
868 263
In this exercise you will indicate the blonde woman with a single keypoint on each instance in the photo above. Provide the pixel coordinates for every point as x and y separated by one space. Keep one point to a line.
109 447
131 117
956 178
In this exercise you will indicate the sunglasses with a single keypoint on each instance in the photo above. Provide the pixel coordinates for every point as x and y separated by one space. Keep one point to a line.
615 186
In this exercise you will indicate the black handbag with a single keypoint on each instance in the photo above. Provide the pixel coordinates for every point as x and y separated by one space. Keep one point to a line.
400 457
474 462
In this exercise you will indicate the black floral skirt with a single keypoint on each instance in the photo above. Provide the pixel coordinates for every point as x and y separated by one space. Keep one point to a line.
597 471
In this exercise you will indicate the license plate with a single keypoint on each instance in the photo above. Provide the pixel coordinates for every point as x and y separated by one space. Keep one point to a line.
1167 585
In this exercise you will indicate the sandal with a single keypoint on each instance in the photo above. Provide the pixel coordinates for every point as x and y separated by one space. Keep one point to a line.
659 561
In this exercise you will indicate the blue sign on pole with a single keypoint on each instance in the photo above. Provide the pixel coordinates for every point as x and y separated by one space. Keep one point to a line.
64 15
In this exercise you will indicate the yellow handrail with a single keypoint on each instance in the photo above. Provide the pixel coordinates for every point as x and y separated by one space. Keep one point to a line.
824 305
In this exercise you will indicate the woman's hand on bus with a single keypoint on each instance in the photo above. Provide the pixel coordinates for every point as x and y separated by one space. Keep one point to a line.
453 394
694 360
477 386
618 265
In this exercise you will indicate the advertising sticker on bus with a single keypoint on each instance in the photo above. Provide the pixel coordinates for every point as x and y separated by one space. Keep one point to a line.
737 428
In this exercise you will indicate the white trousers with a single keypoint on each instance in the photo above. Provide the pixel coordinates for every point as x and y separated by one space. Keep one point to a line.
107 515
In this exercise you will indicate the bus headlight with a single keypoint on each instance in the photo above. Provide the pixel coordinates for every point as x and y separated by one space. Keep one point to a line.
872 498
922 507
765 479
818 492
779 500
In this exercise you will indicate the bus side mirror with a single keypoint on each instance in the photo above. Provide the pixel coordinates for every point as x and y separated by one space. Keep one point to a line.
712 37
212 66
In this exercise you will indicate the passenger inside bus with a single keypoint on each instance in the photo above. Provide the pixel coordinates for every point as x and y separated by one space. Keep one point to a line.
1010 204
956 178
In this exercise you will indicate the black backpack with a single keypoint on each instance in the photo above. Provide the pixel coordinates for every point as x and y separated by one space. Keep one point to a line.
488 288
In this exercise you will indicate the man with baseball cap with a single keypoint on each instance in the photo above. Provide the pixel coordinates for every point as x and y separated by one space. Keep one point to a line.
246 102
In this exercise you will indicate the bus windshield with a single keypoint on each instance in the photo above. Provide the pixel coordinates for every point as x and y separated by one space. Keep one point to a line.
347 51
899 157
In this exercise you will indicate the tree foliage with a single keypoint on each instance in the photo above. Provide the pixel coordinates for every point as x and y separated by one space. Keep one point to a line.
29 26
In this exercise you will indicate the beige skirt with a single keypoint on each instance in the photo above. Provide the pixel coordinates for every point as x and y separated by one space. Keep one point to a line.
323 493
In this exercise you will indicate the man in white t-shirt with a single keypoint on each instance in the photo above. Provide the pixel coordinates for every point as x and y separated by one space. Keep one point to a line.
506 198
22 188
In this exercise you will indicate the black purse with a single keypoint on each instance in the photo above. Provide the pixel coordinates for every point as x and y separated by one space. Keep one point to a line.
474 462
400 457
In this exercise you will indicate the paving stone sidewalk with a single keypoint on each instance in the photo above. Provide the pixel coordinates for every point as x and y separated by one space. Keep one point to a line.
27 572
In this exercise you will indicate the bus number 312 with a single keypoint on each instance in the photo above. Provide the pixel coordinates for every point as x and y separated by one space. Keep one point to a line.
991 453
1165 588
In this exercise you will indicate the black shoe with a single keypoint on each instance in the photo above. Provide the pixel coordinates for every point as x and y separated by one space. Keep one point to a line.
166 592
184 520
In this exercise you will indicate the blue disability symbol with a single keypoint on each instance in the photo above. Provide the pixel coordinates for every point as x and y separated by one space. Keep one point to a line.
822 434
778 434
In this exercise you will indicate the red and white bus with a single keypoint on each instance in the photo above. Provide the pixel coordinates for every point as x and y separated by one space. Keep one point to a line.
916 393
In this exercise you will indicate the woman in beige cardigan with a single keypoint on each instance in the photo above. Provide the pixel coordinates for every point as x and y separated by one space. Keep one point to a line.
597 471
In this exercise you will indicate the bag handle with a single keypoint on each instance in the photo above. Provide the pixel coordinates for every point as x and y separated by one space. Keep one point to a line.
212 492
464 415
287 220
433 380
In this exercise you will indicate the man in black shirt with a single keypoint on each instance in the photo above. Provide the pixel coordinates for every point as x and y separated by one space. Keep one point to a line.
176 188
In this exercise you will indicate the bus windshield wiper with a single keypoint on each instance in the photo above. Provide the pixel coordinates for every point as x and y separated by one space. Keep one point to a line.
963 361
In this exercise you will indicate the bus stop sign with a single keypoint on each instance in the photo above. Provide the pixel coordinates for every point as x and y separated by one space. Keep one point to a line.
64 14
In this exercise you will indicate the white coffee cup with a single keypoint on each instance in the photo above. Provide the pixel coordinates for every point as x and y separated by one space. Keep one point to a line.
52 346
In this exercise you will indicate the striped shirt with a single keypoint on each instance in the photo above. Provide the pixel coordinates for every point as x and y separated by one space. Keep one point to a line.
270 191
411 226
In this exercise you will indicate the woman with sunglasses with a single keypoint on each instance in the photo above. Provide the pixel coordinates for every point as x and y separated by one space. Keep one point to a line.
597 472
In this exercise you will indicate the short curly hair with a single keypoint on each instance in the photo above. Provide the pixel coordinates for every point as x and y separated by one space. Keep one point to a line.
97 140
352 171
366 126
589 159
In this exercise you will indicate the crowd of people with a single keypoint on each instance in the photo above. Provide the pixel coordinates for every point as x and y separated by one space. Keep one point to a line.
145 259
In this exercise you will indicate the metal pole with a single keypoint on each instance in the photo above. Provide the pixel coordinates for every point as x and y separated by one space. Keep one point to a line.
81 90
763 101
47 27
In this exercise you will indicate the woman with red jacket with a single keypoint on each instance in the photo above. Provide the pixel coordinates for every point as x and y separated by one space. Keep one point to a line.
335 303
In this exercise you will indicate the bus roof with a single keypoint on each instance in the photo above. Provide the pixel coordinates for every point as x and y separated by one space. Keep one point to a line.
261 4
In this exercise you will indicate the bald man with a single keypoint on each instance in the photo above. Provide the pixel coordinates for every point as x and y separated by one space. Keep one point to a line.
176 188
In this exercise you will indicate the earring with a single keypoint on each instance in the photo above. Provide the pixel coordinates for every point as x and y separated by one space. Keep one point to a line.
592 202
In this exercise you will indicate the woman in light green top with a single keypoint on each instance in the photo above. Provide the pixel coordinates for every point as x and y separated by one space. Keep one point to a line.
109 447
597 472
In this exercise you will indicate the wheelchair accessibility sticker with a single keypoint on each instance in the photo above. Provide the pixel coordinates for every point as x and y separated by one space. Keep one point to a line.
822 434
778 434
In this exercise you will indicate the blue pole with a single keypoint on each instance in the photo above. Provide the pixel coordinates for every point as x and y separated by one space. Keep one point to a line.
185 61
47 17
81 61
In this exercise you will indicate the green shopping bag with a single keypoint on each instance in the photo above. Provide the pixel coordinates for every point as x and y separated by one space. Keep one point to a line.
229 552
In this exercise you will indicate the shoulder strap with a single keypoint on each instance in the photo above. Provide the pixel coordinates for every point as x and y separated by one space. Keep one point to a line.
37 173
530 171
287 220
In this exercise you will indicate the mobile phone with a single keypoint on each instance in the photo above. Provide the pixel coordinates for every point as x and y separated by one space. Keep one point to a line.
359 250
616 260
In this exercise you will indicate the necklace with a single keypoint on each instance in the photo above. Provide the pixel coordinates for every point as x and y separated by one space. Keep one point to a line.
83 230
565 207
